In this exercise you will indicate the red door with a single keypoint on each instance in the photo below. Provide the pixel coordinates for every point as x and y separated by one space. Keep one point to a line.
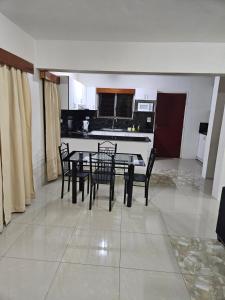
169 124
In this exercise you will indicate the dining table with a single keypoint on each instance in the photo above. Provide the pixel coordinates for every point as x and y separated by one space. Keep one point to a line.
124 161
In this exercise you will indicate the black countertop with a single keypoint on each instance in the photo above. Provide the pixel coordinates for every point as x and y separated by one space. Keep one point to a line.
81 135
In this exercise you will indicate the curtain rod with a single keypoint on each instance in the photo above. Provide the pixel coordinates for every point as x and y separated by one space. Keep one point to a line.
12 60
46 75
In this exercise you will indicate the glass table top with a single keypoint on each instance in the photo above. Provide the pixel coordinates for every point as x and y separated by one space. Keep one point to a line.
120 158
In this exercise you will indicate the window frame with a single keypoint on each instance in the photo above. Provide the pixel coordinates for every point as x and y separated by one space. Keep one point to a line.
114 111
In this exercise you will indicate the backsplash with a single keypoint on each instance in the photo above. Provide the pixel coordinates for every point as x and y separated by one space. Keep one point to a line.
77 117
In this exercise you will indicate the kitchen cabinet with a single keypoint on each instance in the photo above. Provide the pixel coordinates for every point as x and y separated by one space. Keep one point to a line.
201 147
81 96
145 94
64 92
91 98
77 94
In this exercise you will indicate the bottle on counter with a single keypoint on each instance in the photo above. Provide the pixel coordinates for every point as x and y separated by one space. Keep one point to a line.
133 128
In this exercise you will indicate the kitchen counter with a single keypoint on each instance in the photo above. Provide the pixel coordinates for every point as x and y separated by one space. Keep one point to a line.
109 135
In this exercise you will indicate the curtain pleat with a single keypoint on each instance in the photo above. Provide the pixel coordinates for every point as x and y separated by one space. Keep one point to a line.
1 198
16 151
52 122
5 142
25 112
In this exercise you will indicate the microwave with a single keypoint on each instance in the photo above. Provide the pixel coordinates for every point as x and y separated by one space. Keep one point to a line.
143 106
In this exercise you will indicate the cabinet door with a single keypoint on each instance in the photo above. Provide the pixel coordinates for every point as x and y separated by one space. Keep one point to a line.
145 94
91 97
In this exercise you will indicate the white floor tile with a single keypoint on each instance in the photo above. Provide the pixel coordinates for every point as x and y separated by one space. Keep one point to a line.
145 285
59 213
191 225
100 220
25 279
143 220
41 242
9 236
94 247
82 282
147 252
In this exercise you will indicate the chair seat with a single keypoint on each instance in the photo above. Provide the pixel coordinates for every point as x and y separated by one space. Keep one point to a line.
137 177
82 174
101 170
102 178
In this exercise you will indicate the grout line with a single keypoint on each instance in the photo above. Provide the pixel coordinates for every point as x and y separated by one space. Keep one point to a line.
60 263
33 259
51 283
189 292
17 238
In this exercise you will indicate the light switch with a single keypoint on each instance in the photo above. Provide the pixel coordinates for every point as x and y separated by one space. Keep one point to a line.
149 119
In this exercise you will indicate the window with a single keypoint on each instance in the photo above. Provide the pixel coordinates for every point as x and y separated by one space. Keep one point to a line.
124 106
106 105
115 105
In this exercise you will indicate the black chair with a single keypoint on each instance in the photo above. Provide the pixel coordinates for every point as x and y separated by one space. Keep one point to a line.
107 147
144 178
102 171
67 172
220 227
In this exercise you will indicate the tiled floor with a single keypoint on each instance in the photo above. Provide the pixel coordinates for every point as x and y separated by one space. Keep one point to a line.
168 250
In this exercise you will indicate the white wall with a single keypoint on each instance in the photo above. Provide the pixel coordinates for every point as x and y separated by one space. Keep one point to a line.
199 93
219 177
205 58
18 42
15 40
215 121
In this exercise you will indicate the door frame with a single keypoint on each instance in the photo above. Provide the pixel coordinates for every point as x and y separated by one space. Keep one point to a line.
185 110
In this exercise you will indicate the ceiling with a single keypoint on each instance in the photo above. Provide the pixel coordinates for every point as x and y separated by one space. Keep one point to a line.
120 20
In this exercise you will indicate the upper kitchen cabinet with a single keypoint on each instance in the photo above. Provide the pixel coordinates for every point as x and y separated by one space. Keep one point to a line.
77 94
91 97
145 94
64 92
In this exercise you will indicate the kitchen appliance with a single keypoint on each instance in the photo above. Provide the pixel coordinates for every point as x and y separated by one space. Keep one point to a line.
85 125
143 106
70 123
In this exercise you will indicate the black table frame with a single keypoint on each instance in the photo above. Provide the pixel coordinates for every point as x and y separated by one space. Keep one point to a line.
118 164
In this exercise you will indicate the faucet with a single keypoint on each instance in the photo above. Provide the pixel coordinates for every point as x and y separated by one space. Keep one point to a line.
113 123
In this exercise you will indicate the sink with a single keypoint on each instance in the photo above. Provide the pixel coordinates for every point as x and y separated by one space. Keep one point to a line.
113 129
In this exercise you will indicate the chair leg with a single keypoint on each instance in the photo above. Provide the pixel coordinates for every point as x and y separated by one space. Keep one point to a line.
90 201
110 198
94 191
62 189
69 183
88 183
97 186
83 192
146 196
113 191
125 192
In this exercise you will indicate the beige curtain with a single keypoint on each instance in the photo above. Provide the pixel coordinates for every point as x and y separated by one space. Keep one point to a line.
1 198
52 129
16 151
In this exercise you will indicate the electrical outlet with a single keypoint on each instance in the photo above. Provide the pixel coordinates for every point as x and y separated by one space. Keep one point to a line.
149 119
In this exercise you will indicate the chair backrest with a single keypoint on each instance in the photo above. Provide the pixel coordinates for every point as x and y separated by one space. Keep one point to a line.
63 153
102 166
150 164
107 147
